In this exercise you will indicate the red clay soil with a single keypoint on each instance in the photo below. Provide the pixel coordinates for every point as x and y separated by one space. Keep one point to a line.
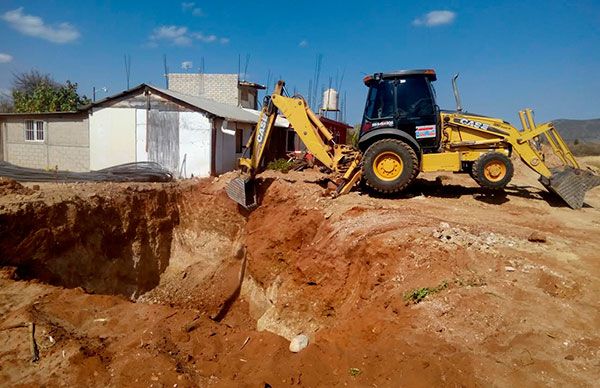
172 285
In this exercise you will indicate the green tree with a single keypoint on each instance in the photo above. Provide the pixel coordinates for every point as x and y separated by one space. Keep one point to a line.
35 92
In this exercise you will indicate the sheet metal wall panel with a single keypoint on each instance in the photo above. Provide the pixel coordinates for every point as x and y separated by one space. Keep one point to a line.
163 139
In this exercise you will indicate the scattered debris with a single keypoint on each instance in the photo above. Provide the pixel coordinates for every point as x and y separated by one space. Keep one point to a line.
354 372
485 241
245 343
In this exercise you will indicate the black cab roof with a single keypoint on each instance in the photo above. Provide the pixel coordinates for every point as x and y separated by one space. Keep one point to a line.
429 73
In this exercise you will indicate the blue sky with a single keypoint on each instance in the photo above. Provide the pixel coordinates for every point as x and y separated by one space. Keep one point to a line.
510 54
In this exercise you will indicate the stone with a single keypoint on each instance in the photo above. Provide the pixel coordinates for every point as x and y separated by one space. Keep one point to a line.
298 343
537 237
509 269
570 357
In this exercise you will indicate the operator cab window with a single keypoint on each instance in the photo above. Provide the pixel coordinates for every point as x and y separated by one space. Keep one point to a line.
414 98
380 101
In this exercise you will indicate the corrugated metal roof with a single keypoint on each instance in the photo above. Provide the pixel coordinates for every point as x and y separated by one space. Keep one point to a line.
228 112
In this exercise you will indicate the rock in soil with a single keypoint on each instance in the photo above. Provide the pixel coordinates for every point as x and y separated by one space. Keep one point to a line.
537 237
298 343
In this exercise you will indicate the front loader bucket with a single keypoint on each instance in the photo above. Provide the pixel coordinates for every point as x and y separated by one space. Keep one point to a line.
242 191
571 184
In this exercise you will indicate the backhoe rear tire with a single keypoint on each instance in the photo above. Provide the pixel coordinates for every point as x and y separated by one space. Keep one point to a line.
389 165
493 170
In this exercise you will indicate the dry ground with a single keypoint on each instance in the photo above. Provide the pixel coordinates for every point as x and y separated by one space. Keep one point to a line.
139 285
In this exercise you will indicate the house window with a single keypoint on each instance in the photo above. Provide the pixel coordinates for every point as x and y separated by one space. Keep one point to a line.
35 130
239 140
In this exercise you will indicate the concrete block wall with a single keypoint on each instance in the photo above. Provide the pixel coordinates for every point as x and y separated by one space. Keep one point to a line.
185 83
218 87
66 145
34 155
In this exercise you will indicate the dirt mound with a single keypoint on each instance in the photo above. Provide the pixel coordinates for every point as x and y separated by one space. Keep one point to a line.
435 287
11 186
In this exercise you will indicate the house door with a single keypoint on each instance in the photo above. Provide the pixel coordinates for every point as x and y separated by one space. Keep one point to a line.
163 139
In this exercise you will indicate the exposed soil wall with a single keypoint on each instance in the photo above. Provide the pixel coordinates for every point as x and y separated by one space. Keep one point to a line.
111 244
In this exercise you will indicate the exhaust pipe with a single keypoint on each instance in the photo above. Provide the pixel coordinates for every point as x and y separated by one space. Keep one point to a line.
456 94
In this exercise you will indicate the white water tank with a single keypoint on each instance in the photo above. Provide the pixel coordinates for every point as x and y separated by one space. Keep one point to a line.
330 100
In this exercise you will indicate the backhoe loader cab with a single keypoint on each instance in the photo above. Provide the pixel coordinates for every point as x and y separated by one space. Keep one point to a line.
401 104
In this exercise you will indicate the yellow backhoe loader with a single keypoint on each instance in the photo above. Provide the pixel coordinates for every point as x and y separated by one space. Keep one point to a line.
404 132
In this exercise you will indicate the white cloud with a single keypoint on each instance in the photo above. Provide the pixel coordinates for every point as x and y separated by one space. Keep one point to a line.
303 43
181 36
35 26
185 6
186 65
190 6
204 38
435 18
5 58
174 34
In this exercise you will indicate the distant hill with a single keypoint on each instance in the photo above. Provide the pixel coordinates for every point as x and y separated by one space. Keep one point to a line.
582 130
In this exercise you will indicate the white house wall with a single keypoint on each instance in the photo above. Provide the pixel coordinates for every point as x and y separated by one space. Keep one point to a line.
112 137
194 144
141 150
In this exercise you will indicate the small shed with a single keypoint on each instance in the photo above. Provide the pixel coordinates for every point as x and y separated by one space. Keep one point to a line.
186 134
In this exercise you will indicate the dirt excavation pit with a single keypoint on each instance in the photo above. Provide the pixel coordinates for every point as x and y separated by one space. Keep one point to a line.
164 284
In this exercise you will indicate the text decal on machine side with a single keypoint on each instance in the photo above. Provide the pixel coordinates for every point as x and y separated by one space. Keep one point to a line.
263 126
474 124
425 131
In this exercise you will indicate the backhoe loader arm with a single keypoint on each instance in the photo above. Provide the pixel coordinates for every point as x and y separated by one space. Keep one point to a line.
341 160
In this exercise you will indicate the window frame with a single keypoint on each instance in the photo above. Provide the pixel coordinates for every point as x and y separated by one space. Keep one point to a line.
35 131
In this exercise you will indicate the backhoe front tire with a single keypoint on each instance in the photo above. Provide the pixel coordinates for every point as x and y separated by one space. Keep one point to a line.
493 170
389 165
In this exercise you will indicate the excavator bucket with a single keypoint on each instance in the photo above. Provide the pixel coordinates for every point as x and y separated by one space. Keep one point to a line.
571 184
243 191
